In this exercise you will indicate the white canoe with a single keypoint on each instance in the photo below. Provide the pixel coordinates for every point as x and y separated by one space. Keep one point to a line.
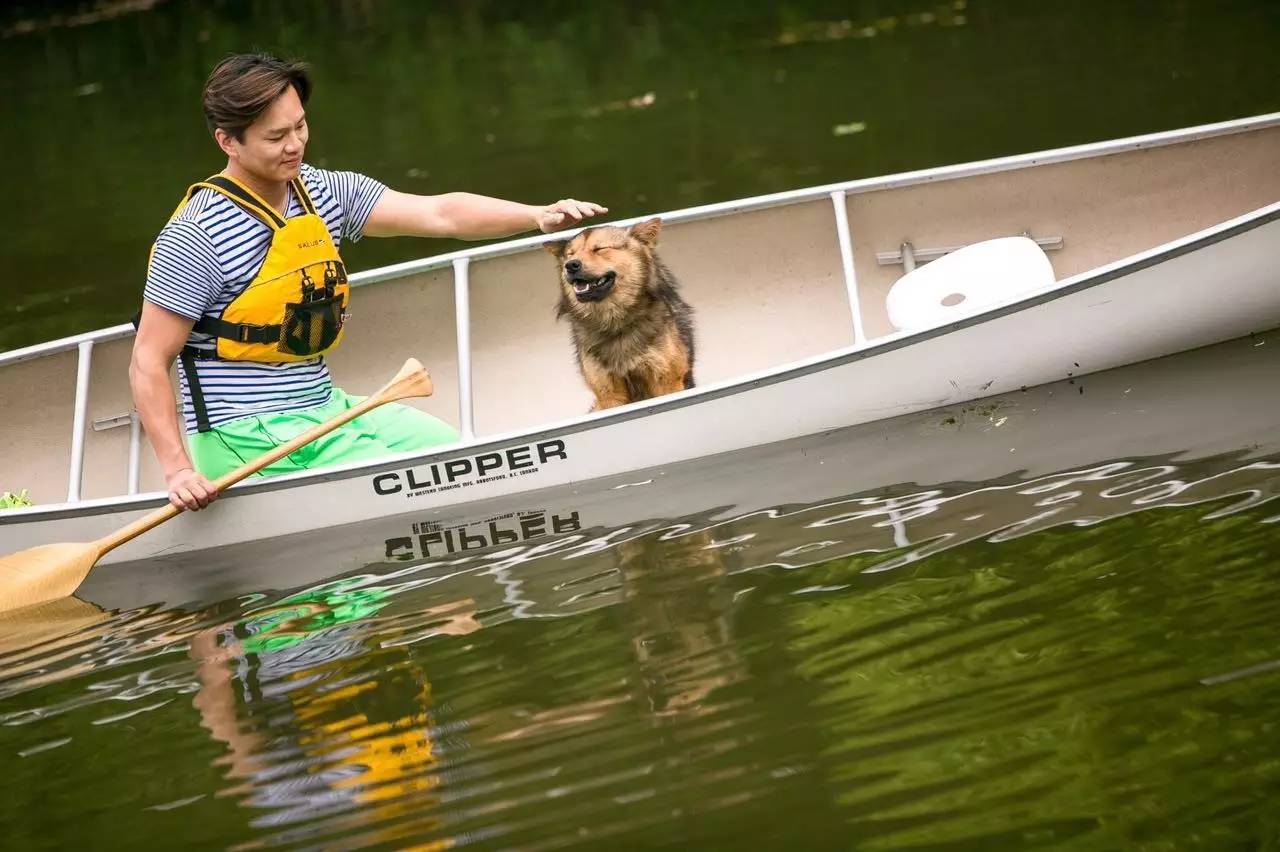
1193 429
1156 245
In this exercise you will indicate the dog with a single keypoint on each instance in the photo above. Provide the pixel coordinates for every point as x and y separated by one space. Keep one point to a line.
632 333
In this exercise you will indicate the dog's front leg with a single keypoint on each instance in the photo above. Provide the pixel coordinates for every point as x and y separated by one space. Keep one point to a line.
610 390
669 383
671 372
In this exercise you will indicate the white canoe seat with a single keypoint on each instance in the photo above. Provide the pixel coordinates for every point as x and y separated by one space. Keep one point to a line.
966 281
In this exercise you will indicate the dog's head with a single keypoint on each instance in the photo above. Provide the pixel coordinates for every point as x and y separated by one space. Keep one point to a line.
606 264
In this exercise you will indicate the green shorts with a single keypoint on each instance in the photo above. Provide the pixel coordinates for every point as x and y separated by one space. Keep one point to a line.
387 429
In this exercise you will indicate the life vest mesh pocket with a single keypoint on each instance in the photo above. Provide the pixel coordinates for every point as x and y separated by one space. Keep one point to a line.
310 327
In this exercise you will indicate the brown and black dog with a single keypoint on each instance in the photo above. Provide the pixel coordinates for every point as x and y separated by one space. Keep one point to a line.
632 332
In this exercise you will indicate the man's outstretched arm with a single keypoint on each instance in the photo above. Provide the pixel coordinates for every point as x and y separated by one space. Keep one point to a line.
463 215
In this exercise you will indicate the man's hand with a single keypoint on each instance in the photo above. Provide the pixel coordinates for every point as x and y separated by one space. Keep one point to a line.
567 213
189 489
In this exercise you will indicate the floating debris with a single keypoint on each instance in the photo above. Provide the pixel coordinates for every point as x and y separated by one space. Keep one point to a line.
644 101
849 129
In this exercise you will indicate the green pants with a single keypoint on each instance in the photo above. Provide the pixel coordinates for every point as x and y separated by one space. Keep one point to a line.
385 430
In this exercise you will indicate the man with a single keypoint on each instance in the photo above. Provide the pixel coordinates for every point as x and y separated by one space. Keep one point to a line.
246 287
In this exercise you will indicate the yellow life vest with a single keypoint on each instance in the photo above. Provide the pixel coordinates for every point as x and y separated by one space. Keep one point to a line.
294 309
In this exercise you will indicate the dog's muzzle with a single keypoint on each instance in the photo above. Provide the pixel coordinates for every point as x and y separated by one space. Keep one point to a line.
588 289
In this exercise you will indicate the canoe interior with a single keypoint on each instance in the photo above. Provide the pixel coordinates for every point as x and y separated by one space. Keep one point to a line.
767 287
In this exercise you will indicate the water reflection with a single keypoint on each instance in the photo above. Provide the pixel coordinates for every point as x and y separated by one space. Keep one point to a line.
889 661
677 603
334 725
887 531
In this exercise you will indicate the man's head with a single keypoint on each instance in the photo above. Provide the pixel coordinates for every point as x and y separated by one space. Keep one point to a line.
254 107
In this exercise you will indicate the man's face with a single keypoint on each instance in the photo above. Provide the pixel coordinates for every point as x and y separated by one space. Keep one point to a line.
274 144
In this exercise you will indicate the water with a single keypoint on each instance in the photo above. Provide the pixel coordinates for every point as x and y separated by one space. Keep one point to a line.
1055 628
645 108
1047 621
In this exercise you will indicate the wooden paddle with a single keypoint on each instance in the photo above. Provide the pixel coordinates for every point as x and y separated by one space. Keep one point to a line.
53 571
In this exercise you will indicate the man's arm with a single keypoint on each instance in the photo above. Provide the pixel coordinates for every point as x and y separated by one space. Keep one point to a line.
470 217
161 335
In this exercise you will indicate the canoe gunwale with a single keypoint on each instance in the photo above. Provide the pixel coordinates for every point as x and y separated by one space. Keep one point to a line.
760 202
883 345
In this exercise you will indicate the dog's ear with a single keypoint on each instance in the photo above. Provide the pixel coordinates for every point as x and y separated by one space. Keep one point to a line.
556 247
647 231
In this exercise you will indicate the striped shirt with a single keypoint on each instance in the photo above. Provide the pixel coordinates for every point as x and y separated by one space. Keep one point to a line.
207 255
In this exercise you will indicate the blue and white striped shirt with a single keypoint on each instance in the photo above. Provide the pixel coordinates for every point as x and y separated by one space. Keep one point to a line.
209 253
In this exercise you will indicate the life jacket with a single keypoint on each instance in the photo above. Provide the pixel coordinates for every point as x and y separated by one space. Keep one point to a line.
294 309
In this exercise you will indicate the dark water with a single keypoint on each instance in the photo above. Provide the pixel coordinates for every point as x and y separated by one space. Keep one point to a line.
1078 650
642 106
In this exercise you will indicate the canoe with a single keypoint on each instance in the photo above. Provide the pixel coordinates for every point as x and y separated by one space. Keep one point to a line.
1131 250
1193 429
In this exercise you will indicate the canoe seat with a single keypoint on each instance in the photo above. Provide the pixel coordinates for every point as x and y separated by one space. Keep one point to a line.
966 281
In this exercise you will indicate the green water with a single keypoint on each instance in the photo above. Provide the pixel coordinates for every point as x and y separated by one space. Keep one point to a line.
536 101
1020 634
1105 679
1083 658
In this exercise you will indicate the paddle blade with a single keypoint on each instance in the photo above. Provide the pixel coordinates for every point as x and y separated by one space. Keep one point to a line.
412 380
44 573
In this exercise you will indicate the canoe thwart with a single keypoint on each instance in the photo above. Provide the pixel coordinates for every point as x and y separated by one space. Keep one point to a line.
104 423
908 255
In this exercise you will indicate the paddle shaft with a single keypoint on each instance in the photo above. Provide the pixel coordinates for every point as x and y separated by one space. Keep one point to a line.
412 381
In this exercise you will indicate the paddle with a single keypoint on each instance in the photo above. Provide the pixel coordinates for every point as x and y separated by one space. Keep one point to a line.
54 571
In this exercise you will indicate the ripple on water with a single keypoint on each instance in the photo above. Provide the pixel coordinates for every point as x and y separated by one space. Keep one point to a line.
1074 657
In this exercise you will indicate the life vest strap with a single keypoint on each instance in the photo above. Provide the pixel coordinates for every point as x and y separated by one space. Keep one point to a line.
188 357
243 198
300 190
237 331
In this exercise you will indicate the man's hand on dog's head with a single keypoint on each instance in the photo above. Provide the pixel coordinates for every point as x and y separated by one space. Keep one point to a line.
567 213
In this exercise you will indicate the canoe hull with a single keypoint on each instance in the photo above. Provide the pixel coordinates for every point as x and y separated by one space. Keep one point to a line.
1191 428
